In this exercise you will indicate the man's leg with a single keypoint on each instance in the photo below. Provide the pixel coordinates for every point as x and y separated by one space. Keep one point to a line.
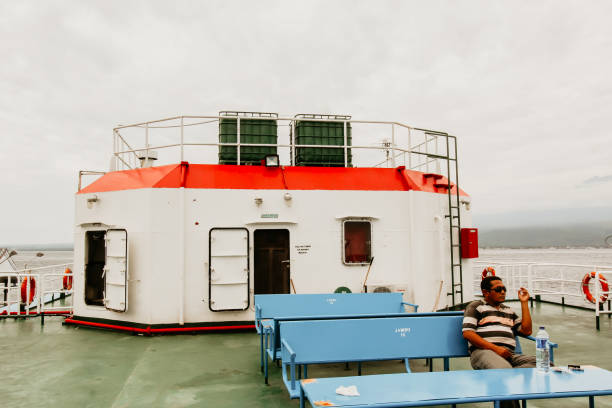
522 361
486 359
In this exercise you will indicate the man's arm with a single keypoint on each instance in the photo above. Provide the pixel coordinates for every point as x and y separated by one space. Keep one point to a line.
525 328
481 343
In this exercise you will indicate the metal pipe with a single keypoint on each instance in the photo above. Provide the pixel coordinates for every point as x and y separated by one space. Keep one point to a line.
345 147
182 137
238 140
182 220
393 146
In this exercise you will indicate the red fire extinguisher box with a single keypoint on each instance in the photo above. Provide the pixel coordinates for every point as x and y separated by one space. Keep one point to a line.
469 242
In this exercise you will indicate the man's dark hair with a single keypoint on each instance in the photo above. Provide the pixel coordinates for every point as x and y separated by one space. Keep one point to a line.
485 284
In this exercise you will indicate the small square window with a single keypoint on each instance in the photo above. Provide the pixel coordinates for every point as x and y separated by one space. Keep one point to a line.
357 242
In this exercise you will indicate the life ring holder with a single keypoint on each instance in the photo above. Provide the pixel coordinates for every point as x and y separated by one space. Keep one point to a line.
585 287
67 280
488 271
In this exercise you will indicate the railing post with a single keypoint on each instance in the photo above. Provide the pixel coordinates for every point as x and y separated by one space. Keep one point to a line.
292 142
597 294
393 145
530 288
238 139
409 149
182 138
147 142
345 146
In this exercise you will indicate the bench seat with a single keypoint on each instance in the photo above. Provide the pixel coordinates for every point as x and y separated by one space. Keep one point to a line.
270 310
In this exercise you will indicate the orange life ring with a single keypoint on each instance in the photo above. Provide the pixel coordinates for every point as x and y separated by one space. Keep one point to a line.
67 280
24 288
585 287
489 270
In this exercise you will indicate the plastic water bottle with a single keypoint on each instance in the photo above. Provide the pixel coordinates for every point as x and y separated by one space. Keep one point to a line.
542 351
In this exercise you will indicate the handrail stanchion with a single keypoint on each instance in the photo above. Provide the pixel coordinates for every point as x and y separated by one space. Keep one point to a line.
182 139
393 145
345 146
597 285
238 137
292 142
530 282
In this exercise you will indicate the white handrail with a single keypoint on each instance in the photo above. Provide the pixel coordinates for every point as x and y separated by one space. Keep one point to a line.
565 280
46 282
402 137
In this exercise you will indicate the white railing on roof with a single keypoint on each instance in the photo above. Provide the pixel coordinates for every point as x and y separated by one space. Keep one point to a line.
196 139
554 282
47 286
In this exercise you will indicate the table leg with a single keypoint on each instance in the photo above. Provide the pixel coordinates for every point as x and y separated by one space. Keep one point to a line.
261 351
265 356
302 404
524 403
496 404
591 401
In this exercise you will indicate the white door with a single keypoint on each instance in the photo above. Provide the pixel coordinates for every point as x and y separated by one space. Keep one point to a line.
229 269
115 270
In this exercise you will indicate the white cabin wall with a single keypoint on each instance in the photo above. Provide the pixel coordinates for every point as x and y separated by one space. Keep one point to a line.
406 244
128 210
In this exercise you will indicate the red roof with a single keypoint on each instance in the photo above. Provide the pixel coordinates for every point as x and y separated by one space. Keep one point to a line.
217 176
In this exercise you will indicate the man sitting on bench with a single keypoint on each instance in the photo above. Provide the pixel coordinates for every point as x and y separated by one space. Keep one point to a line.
490 327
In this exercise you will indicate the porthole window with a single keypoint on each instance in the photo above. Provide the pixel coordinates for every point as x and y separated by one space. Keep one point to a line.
357 247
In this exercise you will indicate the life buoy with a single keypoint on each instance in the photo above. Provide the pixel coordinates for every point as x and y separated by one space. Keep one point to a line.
67 280
24 288
585 287
488 271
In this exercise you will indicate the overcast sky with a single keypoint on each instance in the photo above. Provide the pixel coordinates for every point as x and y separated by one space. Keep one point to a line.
525 85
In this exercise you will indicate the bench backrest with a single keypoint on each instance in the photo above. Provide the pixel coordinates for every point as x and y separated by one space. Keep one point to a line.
319 341
335 304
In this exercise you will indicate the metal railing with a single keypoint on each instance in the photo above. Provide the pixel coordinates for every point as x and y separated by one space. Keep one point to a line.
380 143
554 282
42 287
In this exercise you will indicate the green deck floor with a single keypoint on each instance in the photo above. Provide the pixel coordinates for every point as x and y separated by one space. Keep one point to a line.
65 366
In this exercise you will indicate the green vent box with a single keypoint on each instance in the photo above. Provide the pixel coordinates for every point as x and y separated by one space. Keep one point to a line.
322 133
256 131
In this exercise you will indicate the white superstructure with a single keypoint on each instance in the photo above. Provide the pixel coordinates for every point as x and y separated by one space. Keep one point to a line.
188 245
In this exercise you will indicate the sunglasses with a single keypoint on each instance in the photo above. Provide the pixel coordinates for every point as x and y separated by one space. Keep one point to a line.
499 289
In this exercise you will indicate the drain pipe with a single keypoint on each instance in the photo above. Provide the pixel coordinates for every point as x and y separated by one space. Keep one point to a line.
182 220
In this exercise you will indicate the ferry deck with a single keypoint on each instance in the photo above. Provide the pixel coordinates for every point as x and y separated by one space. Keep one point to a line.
67 366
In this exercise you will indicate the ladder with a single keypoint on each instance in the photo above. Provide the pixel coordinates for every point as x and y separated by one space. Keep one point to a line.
454 220
453 211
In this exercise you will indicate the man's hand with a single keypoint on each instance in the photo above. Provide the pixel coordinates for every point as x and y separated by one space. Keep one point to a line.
479 342
523 295
503 352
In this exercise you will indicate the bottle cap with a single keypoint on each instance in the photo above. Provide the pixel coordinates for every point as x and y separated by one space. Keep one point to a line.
541 327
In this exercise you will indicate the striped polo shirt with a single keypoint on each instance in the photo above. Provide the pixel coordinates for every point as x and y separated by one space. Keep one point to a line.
497 326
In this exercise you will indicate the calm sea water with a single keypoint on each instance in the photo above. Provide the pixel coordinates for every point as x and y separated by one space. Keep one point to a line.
581 256
588 257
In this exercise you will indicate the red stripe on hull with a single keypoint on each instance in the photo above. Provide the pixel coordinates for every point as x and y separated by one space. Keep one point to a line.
214 176
165 330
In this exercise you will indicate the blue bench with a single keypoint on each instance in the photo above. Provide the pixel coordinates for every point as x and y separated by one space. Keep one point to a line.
270 310
431 335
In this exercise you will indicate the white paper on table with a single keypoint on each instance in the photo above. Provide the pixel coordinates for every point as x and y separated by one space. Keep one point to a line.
350 391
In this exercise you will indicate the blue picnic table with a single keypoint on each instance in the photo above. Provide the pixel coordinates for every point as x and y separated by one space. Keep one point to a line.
456 387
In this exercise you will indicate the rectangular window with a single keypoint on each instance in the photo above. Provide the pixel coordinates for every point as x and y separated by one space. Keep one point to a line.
357 242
